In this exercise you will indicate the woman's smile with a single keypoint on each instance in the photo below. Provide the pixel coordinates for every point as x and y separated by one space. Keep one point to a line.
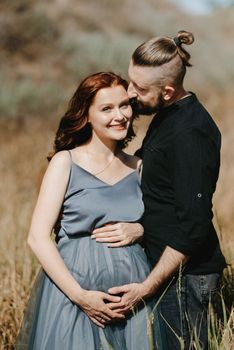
119 126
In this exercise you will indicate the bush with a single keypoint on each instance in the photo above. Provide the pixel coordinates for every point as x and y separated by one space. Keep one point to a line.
27 32
92 52
27 98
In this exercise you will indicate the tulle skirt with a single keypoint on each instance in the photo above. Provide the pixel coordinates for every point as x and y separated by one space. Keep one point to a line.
53 322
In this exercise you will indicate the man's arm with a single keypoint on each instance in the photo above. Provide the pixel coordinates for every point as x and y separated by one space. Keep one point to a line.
170 262
134 293
193 162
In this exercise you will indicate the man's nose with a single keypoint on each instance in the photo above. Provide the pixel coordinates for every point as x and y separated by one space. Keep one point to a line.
131 91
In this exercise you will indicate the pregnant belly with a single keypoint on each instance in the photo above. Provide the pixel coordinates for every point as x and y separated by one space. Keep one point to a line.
97 267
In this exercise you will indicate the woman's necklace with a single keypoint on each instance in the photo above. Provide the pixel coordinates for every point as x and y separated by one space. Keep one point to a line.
106 166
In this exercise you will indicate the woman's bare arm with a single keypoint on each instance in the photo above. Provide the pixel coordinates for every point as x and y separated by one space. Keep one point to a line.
47 209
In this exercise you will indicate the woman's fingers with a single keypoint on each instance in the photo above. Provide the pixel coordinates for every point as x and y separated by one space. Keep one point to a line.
96 307
123 310
107 310
114 314
97 322
104 318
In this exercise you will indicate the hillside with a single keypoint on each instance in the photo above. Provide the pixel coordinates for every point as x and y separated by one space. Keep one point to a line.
48 46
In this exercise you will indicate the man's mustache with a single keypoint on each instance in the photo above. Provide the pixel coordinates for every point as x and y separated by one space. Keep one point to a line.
135 106
133 102
139 108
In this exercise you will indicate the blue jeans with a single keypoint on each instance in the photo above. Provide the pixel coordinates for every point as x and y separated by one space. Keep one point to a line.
183 311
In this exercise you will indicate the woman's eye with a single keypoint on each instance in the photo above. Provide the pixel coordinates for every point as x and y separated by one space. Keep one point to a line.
105 109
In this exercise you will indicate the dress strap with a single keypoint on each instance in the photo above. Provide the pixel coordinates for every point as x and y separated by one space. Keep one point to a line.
70 172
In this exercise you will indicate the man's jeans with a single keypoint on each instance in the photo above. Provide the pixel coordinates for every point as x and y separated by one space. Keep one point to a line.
183 310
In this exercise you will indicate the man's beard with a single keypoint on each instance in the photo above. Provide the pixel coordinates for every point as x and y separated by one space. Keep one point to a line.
140 108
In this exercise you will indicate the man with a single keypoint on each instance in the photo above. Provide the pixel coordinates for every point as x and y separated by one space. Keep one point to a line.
181 158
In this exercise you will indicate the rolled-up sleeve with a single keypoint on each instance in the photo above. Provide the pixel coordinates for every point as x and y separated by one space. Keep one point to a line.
194 161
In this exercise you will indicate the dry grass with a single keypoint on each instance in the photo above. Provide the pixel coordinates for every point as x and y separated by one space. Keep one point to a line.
47 47
23 151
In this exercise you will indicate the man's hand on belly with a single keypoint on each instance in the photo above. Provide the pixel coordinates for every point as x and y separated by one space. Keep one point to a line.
119 234
132 295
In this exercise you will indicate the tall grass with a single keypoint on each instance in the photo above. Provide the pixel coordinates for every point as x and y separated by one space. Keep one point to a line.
46 48
22 151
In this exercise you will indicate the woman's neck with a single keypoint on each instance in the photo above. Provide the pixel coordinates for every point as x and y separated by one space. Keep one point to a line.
104 148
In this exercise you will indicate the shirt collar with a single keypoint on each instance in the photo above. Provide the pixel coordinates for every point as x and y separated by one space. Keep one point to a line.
182 102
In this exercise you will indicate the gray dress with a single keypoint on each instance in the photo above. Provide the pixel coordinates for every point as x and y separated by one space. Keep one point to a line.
52 321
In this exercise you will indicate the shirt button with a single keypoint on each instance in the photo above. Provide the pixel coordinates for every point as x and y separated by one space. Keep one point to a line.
199 195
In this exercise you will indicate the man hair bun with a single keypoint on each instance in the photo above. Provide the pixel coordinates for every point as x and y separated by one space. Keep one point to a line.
185 37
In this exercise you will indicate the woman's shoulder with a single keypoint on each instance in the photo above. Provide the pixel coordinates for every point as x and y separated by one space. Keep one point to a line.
58 170
61 157
61 161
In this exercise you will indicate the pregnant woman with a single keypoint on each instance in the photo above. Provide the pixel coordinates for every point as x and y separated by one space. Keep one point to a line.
90 182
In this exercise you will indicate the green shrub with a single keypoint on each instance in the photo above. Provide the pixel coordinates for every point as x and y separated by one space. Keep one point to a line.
92 52
27 98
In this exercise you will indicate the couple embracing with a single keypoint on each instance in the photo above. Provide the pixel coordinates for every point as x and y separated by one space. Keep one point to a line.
137 258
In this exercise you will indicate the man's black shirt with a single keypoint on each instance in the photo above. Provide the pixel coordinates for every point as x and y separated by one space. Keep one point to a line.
181 159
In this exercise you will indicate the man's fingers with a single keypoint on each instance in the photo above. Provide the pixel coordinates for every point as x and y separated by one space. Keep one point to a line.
106 228
106 234
121 308
110 239
118 244
115 306
101 235
118 290
102 230
111 298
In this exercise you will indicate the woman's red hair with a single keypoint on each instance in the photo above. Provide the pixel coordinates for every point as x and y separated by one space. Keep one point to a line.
74 128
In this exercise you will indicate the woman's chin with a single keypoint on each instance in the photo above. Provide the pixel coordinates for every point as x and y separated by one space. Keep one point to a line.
118 134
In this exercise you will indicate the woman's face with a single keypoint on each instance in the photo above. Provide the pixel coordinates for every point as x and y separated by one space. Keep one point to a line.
110 113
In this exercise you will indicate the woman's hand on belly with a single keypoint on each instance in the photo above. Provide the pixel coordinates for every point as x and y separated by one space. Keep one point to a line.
119 234
94 304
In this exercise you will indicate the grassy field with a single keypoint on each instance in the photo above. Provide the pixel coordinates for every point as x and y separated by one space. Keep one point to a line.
23 161
47 47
